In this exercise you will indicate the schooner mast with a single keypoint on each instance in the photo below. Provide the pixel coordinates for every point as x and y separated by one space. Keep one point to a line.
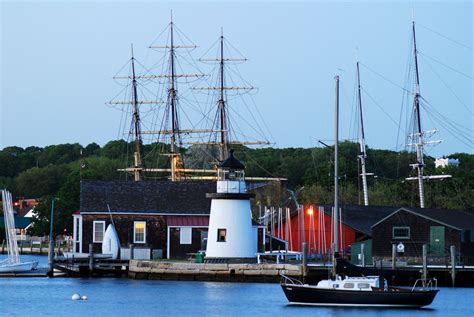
222 123
418 134
362 155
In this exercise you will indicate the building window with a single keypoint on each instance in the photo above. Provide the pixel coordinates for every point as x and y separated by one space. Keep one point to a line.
185 235
98 231
401 232
139 231
221 235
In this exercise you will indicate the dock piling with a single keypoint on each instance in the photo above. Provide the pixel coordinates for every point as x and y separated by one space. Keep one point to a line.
132 249
305 261
3 246
51 258
91 258
394 256
425 263
362 254
452 250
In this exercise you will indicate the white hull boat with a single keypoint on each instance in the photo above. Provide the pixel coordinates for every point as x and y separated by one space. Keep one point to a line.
18 267
13 264
111 242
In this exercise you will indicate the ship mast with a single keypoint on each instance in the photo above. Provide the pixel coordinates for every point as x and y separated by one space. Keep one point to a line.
222 110
363 155
418 135
174 115
222 114
135 129
335 212
136 123
336 171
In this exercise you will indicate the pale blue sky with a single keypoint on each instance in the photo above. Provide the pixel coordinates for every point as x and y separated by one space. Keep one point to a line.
57 60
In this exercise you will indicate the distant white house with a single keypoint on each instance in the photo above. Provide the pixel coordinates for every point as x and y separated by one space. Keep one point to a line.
444 162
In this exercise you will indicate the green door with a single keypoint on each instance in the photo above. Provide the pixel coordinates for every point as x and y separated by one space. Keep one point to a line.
437 240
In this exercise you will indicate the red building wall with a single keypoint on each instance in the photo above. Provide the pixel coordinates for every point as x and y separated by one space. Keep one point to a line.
314 231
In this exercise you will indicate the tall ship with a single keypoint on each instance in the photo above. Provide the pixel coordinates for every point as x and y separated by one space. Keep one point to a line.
183 120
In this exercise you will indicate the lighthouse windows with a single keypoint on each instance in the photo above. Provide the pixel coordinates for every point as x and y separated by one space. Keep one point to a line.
221 235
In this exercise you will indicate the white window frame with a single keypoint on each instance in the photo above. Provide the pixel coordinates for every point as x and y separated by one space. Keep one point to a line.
134 231
94 240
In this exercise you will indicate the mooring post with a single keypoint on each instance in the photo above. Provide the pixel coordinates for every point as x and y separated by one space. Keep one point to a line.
452 249
21 246
132 248
91 258
3 246
394 256
305 261
51 258
362 254
425 264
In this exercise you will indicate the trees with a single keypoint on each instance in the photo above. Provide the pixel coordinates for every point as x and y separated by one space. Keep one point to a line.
57 170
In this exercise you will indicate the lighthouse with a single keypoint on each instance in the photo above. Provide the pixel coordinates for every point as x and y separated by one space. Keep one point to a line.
231 236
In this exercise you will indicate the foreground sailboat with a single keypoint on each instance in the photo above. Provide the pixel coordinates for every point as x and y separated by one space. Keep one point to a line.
343 290
12 264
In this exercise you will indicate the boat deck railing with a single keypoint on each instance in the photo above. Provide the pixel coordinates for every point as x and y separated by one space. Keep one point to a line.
289 280
426 284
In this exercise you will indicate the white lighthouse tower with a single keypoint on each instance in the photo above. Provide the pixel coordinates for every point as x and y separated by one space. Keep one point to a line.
231 235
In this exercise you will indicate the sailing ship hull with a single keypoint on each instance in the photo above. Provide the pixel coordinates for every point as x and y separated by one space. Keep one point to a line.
394 297
18 267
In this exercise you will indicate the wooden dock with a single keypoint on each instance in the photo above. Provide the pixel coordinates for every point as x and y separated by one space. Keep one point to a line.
91 265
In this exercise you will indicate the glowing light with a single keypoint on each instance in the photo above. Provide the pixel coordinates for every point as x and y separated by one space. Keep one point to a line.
310 211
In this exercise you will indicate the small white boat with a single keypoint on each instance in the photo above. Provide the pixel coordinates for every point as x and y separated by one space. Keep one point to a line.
111 242
18 267
12 264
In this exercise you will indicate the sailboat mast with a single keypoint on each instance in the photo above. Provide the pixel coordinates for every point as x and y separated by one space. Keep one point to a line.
136 123
418 135
172 101
222 112
363 154
336 172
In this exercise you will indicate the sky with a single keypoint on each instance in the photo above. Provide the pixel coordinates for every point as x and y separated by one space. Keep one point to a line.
58 59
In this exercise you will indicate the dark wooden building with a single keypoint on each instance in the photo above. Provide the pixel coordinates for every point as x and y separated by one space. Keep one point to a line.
410 228
161 218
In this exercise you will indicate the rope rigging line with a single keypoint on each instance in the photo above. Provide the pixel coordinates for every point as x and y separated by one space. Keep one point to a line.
386 79
449 87
446 65
445 36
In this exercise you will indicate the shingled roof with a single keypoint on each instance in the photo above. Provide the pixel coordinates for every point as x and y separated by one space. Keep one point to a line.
164 197
458 219
363 218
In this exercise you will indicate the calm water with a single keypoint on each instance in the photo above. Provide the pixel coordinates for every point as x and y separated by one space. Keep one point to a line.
124 297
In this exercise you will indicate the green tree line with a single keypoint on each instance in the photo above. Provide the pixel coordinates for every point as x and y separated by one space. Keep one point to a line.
56 171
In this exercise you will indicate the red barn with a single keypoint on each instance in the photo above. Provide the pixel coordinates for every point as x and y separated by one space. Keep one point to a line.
313 225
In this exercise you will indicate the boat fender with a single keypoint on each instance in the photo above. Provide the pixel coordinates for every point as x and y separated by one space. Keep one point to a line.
76 296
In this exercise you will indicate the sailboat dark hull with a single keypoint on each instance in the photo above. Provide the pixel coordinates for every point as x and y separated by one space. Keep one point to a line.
394 297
